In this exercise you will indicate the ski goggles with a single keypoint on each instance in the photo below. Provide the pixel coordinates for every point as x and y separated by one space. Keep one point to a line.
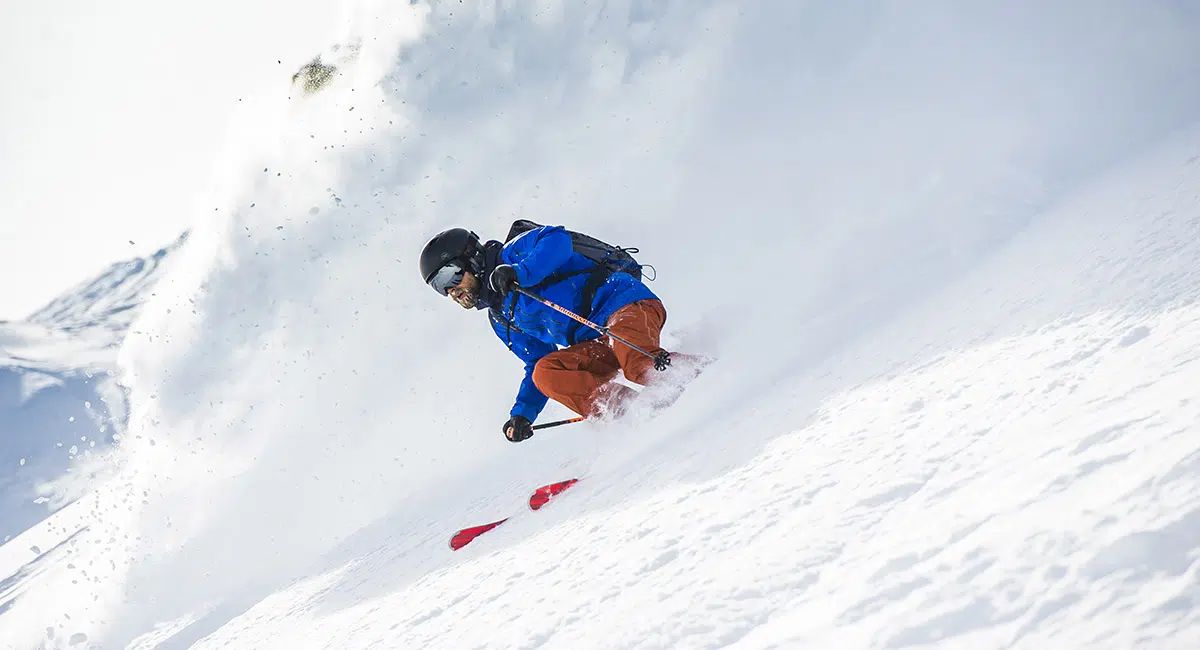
446 278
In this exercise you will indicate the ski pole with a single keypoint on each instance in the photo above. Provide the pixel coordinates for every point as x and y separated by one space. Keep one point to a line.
661 360
556 424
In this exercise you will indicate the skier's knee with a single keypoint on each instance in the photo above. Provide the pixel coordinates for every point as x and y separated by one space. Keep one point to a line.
542 373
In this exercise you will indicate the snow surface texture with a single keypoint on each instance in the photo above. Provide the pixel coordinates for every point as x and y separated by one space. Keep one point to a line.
948 257
60 401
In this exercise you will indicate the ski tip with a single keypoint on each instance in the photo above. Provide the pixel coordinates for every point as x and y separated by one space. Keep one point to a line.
468 535
544 494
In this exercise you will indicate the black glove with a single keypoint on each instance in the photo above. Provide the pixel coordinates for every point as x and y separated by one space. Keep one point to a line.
518 428
503 279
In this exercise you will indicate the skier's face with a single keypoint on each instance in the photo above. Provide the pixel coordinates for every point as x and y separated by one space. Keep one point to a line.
466 293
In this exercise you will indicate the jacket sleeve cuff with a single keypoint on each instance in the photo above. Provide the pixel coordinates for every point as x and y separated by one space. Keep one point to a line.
524 410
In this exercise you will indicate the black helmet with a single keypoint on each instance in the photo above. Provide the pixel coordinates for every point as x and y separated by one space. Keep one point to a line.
455 245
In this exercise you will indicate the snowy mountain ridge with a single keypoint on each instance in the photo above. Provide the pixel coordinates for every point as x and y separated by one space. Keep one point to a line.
60 399
108 302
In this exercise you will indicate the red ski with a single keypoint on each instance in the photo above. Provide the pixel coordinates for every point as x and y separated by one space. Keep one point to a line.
542 495
539 498
466 535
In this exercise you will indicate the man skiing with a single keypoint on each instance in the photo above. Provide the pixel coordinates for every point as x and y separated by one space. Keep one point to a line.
566 361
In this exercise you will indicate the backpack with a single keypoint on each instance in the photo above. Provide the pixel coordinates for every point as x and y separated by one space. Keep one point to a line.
609 259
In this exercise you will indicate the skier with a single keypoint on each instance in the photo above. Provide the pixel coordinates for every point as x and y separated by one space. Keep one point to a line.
564 360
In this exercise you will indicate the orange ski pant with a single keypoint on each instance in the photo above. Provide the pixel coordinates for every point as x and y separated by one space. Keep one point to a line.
581 377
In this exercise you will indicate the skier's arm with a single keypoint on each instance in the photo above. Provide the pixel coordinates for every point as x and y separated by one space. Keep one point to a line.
530 401
539 253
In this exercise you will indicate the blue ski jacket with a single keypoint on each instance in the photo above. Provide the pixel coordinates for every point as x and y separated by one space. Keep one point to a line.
532 330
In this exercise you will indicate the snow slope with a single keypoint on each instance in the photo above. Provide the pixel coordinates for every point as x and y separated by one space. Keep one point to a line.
1015 463
947 256
59 399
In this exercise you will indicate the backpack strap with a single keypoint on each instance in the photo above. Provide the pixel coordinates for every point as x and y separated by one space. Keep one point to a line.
555 278
509 326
